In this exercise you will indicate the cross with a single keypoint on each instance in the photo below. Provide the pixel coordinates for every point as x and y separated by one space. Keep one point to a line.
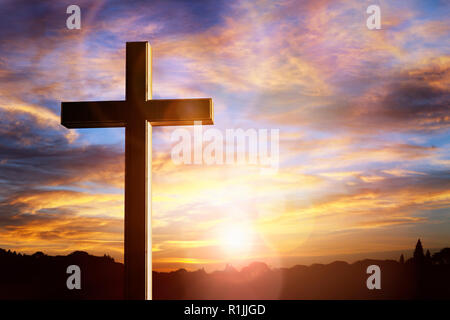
138 114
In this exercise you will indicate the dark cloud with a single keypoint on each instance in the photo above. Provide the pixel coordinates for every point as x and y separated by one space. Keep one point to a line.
430 181
48 159
413 102
34 159
35 20
416 100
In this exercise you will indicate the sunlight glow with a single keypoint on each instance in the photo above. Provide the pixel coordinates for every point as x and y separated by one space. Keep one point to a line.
237 239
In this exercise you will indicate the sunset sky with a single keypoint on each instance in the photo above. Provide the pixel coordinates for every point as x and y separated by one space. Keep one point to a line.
363 118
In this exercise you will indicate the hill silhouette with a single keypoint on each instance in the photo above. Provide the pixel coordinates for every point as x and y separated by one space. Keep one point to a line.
40 276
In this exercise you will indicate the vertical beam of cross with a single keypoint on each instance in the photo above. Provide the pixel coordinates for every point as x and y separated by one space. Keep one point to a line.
138 165
138 113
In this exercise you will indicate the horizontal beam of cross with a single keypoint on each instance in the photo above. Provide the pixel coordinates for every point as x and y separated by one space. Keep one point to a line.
106 114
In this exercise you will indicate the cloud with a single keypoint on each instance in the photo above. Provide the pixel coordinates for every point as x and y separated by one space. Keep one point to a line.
62 232
414 100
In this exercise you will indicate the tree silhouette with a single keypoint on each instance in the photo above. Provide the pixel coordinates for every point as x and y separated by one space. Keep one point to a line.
442 257
428 256
418 252
402 259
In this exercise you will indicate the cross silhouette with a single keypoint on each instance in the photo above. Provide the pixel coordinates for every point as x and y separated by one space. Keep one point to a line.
138 113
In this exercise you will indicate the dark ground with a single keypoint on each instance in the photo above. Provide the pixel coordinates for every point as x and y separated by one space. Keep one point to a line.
40 276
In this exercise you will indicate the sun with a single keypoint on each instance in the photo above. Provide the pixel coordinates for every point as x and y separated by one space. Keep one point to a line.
236 239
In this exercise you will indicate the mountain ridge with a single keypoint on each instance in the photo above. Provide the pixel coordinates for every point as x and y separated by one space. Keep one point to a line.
40 276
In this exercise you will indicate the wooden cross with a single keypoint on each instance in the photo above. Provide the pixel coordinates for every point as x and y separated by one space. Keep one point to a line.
138 114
